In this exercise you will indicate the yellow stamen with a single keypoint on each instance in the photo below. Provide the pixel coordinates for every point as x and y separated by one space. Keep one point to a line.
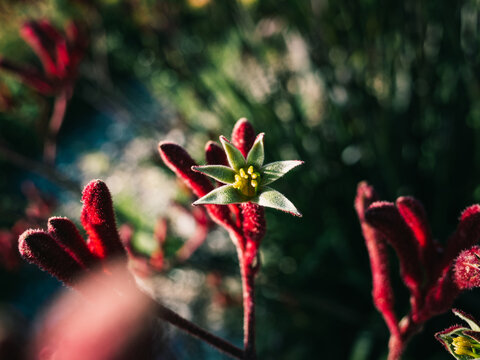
464 346
247 182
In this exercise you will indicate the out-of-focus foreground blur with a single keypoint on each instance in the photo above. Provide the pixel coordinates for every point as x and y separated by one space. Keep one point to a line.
383 91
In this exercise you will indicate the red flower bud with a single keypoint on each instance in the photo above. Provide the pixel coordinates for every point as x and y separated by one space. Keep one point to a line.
415 217
382 292
42 38
41 249
467 268
386 219
62 251
98 220
215 155
243 136
66 233
466 235
178 160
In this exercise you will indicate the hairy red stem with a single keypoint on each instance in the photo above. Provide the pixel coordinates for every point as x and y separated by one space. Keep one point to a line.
248 288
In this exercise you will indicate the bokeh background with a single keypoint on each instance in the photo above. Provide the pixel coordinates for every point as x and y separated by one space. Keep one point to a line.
383 91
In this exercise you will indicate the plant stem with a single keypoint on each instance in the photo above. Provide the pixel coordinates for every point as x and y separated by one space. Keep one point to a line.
59 110
398 342
248 286
202 334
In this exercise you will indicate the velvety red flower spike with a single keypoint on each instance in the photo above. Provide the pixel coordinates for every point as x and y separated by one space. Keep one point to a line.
243 136
242 194
433 275
382 292
98 220
41 249
181 163
62 251
60 56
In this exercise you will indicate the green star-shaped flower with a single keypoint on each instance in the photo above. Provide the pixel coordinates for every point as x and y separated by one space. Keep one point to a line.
462 342
247 178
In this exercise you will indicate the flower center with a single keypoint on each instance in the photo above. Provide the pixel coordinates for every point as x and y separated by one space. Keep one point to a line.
464 346
247 181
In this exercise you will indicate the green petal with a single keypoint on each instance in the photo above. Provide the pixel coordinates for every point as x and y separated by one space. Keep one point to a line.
256 154
275 170
234 156
467 318
219 172
223 195
446 338
274 199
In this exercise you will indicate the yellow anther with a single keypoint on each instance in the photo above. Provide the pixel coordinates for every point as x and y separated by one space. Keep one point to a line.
247 182
464 351
464 346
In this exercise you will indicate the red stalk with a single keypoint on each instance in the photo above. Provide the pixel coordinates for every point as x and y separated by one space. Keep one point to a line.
59 110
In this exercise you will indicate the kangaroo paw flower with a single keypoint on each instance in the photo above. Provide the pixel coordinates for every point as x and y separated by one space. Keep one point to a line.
63 252
246 178
462 342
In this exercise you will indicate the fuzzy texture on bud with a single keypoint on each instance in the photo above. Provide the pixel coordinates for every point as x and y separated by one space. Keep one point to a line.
386 219
215 155
429 271
466 235
41 249
254 225
63 252
415 217
243 136
98 220
65 232
382 292
181 163
467 268
59 54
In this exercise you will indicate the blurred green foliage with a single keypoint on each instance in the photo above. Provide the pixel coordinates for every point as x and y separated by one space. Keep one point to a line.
383 91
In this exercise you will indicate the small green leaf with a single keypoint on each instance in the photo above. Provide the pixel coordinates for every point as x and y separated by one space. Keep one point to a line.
223 195
220 173
234 156
256 154
275 170
274 199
